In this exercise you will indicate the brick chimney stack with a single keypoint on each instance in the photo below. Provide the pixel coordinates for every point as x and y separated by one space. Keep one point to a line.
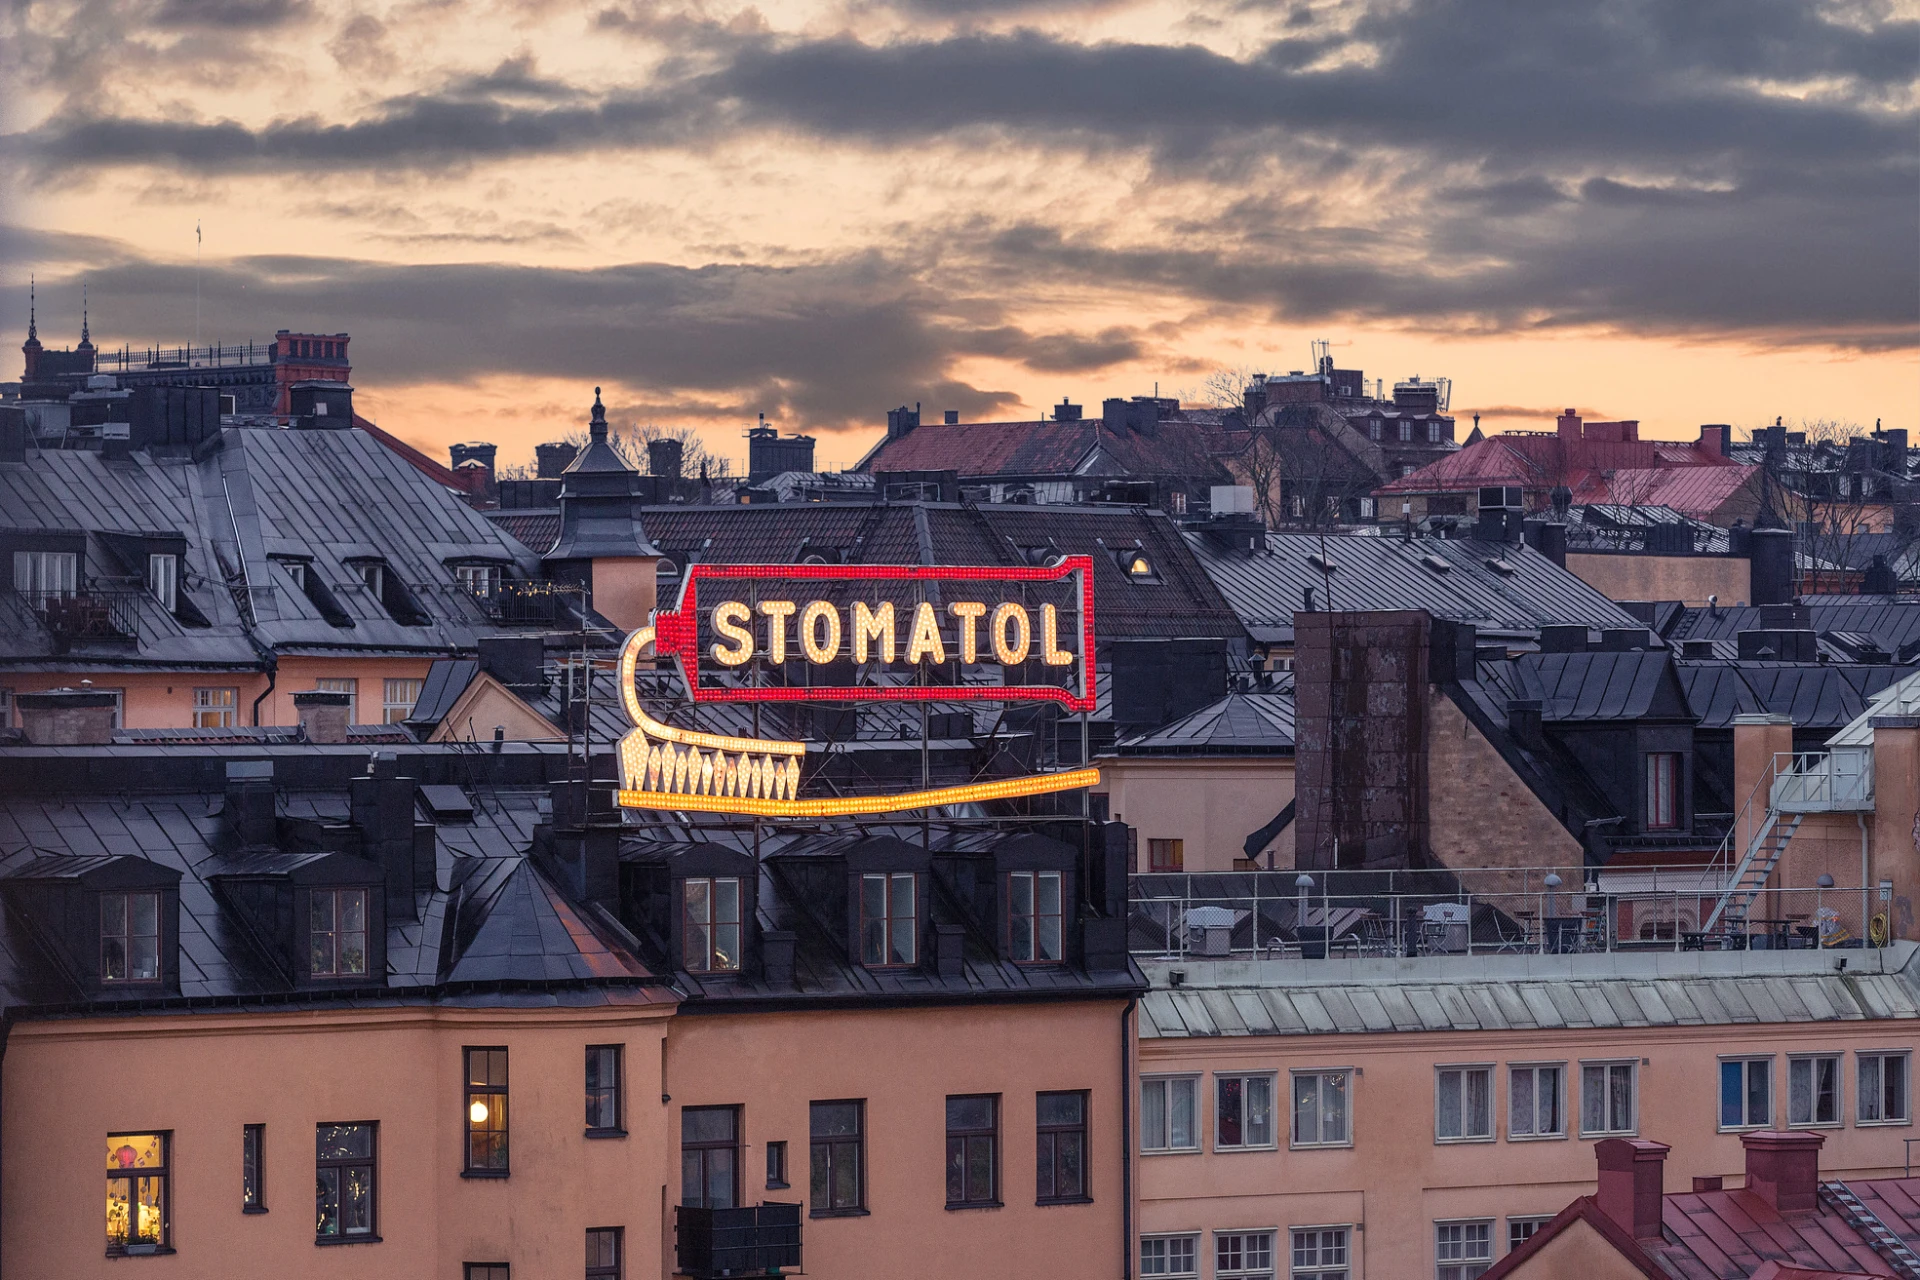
1632 1186
1784 1169
323 714
1569 425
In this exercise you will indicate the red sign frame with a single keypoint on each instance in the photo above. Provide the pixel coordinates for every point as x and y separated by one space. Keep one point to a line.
676 632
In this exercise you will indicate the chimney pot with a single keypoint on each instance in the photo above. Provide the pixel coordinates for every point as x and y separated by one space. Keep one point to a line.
66 717
323 714
1632 1183
951 417
1783 1169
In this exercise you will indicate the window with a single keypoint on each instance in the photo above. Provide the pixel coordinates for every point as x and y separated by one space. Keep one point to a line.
1746 1093
1407 469
253 1168
1434 433
374 575
1882 1096
710 923
1060 1164
837 1176
1813 1091
137 1210
487 1112
603 1253
1606 1098
348 686
6 708
1165 855
973 1156
710 1157
337 933
163 579
129 937
1170 1255
481 580
397 699
1373 428
1242 1112
1243 1255
603 1089
296 572
1663 790
1406 431
214 708
1463 1104
487 1271
46 572
1533 1102
1033 917
1462 1250
776 1165
1320 1109
1520 1230
1166 1115
1319 1253
344 1171
887 920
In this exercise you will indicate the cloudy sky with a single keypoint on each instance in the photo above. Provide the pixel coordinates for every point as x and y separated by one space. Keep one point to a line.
1687 211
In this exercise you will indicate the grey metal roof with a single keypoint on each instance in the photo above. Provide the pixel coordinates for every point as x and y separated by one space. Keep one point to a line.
1893 622
1240 724
1537 993
1816 695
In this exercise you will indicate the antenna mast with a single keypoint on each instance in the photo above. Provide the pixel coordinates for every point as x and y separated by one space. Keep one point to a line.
196 289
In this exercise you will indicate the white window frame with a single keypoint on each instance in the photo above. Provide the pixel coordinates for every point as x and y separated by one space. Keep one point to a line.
1167 1081
1406 431
482 581
1560 1101
163 578
1273 1131
1459 1268
1434 435
1297 1270
373 576
1462 1069
1747 1062
1906 1087
1245 1272
1810 1062
1191 1238
1534 1221
349 685
46 572
1294 1141
205 703
1632 1066
388 706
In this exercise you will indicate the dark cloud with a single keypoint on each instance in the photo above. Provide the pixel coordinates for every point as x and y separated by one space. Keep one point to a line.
230 15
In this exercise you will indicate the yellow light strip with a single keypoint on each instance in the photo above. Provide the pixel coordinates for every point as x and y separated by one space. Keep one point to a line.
630 658
844 806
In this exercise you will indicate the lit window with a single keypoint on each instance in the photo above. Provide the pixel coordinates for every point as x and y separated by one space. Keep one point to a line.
1242 1112
1746 1093
1462 1250
1882 1096
163 579
1170 1256
1521 1230
344 1204
1663 790
1177 503
346 685
46 573
1033 917
1813 1090
973 1150
710 1157
337 933
397 699
1320 1109
836 1178
888 931
1167 1115
1137 567
253 1168
603 1088
1243 1255
603 1253
129 937
137 1219
1606 1098
1319 1253
1533 1102
710 924
486 1111
481 580
214 708
1166 855
1463 1104
1061 1156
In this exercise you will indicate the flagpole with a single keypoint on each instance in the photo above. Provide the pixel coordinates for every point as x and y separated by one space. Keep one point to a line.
196 289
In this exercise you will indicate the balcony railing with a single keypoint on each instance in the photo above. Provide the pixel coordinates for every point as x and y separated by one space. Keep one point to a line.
1823 782
755 1240
525 603
87 616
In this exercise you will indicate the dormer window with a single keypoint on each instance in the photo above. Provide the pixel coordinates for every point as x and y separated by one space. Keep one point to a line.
1034 917
1373 428
482 581
710 924
337 936
1136 566
163 579
889 935
129 937
374 575
296 572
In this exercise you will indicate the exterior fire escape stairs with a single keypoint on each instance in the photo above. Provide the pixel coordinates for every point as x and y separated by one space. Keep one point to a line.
1750 876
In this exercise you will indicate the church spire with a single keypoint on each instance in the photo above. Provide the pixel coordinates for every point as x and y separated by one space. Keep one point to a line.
86 342
33 321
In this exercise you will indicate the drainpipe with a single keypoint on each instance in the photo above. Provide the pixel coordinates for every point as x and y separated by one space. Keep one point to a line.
273 675
1126 1139
1866 878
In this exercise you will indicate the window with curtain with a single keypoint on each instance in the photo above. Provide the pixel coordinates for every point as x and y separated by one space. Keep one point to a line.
710 1157
486 1118
344 1171
1320 1116
1813 1090
1463 1104
1167 1109
710 924
836 1177
137 1206
889 933
973 1150
1034 917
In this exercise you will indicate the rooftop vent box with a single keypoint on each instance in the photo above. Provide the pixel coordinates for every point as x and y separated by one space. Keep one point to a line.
1232 499
1502 497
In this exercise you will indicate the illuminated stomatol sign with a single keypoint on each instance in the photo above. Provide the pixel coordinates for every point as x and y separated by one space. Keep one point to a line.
851 633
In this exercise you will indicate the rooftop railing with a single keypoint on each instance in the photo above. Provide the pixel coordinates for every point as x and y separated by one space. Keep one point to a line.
90 615
1823 781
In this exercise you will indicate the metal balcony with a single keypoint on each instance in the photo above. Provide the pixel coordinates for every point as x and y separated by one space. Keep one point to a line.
88 616
1833 781
757 1240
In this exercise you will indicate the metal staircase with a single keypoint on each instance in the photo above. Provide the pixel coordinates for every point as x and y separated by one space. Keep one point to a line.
1884 1241
1750 876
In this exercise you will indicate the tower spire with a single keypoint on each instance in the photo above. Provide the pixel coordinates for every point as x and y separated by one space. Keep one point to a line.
33 321
85 341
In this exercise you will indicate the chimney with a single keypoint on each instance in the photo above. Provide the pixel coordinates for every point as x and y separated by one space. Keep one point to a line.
1569 426
476 451
382 803
586 833
1553 542
249 807
1713 439
1523 719
323 714
776 956
550 459
902 420
1631 1183
1065 412
951 417
15 434
116 441
1770 565
664 457
1783 1169
517 662
66 717
947 950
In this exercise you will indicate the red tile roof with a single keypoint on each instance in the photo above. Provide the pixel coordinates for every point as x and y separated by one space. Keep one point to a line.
1692 490
1540 461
